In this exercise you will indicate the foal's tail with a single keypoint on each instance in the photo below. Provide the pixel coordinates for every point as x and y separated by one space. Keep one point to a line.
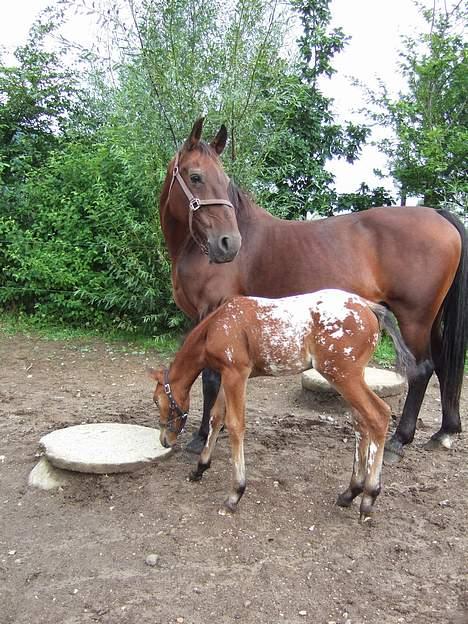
453 321
405 360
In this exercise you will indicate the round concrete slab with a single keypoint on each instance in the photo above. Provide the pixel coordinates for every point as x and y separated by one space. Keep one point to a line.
384 383
103 448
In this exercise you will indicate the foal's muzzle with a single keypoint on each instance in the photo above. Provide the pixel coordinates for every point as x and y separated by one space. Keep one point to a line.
223 248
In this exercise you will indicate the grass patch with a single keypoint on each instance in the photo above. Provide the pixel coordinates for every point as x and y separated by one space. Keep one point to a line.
384 354
34 327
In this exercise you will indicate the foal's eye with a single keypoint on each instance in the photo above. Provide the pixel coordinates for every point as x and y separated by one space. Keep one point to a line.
196 178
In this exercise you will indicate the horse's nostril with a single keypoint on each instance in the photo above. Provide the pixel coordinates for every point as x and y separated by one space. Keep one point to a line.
224 243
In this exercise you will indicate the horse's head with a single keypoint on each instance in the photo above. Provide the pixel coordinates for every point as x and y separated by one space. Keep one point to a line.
172 417
195 195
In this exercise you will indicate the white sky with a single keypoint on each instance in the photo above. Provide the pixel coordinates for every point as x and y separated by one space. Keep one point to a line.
375 27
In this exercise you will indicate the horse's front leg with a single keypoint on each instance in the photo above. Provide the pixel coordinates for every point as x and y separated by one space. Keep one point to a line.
211 381
235 392
216 424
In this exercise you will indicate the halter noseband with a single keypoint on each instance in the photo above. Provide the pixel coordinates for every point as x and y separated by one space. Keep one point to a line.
194 202
175 411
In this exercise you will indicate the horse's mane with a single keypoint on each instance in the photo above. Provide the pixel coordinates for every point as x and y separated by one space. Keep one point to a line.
242 201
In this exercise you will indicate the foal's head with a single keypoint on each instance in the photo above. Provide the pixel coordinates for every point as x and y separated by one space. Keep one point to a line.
196 195
172 417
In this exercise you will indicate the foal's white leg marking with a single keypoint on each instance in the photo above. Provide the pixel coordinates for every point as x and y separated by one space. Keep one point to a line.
371 456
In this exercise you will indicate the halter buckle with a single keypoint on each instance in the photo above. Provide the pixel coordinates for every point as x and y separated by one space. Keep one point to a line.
194 204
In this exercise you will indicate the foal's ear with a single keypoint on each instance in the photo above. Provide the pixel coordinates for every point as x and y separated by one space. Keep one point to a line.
219 142
195 135
155 375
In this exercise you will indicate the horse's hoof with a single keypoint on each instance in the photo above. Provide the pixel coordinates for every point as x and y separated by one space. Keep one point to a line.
196 444
393 452
344 500
439 442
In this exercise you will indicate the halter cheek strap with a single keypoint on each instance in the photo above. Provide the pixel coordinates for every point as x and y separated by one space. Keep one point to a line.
194 202
175 411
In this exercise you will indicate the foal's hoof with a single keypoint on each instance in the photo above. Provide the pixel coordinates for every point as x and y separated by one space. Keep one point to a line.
366 518
393 452
228 508
439 442
195 476
196 444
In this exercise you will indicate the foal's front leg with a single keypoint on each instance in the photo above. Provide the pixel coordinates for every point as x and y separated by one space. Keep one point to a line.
216 424
235 391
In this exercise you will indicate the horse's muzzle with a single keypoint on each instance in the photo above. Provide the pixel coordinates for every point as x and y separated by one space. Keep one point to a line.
224 248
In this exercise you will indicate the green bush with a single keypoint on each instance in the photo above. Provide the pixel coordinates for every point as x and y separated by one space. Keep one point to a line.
80 242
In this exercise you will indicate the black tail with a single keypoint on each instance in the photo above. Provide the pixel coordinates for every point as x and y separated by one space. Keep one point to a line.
405 360
453 322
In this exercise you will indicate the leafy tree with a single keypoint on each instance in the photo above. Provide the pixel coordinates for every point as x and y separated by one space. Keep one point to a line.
302 134
38 96
428 153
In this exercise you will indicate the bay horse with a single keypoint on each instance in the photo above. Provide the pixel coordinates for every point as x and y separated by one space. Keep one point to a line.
330 330
414 260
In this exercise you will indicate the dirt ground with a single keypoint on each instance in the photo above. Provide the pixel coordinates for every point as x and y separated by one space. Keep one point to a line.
289 555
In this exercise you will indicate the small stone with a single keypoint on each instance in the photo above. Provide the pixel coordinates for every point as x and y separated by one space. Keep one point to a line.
196 590
303 613
247 603
179 620
444 503
152 559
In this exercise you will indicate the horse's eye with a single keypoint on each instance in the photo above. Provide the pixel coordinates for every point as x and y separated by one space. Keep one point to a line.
195 178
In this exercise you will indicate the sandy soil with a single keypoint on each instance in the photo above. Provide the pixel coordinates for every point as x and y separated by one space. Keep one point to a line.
288 555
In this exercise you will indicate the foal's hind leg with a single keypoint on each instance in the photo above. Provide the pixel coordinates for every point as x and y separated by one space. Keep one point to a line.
371 423
216 424
211 381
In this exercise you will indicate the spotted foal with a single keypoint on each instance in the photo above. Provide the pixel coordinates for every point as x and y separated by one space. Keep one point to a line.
330 330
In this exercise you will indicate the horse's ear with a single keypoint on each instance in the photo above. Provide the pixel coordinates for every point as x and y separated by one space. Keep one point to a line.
195 135
219 142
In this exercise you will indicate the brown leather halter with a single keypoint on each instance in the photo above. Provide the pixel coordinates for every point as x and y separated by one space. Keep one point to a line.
175 411
194 202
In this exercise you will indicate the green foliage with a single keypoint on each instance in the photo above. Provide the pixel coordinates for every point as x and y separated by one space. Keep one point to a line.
302 134
363 199
428 155
79 244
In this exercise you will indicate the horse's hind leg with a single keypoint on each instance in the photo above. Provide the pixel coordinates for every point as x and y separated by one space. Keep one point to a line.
450 400
404 433
417 336
216 424
211 381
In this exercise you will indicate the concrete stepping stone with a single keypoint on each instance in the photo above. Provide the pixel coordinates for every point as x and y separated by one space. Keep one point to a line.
383 382
103 448
46 477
